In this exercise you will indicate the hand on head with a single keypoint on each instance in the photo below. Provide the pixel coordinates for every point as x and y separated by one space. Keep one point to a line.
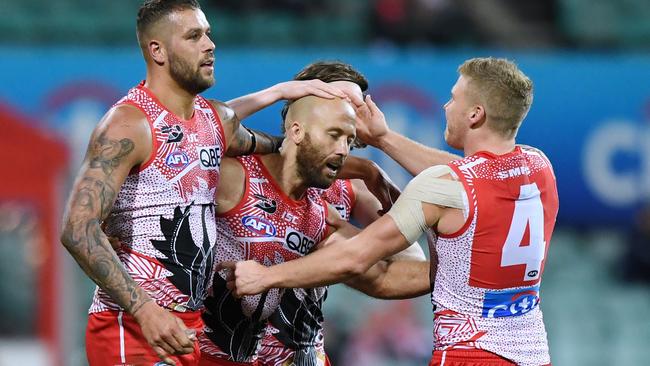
296 89
371 123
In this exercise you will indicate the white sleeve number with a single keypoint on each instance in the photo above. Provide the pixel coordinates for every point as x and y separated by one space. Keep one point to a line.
529 212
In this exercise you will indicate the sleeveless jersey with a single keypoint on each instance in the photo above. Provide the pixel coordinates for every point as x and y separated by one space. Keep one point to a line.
486 292
271 228
164 212
294 332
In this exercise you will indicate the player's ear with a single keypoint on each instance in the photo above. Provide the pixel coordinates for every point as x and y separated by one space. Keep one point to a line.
296 132
477 116
157 51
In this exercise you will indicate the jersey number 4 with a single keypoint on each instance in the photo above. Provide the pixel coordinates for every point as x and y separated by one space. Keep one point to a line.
525 242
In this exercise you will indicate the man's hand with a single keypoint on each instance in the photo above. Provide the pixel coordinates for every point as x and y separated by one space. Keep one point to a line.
383 188
343 230
371 123
295 89
166 333
245 278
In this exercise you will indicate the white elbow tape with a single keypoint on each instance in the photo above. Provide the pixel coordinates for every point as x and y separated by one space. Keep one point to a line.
412 253
426 187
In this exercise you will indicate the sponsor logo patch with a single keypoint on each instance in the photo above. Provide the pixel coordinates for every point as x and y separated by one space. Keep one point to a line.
175 133
177 160
498 304
265 204
298 242
209 157
259 225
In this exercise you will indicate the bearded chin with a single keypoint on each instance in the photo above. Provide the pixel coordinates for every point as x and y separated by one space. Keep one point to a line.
307 156
189 79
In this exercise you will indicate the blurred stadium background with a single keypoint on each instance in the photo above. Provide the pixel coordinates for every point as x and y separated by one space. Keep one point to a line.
64 62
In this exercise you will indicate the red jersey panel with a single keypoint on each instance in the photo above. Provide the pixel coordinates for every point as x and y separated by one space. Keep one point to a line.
270 228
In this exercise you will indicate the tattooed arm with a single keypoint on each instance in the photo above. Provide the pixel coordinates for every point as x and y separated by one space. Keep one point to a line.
239 139
121 141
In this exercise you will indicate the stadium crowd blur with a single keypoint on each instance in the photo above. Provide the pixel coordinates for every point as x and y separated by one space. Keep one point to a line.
608 266
501 23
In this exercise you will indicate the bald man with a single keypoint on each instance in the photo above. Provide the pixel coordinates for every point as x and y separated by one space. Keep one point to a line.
270 209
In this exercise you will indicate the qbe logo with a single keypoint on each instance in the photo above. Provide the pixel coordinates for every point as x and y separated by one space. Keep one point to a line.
209 157
259 225
298 242
499 304
177 160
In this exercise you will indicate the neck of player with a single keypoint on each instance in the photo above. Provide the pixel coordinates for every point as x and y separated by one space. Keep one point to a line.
283 170
176 99
490 142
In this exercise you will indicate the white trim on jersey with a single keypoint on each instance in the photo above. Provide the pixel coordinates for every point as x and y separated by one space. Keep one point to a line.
184 171
259 239
160 117
472 164
122 352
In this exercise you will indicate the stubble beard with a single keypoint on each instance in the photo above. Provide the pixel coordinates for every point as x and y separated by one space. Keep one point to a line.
309 165
187 77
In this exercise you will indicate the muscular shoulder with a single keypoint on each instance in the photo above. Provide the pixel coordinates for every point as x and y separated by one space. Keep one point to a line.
227 116
128 126
366 205
358 186
126 114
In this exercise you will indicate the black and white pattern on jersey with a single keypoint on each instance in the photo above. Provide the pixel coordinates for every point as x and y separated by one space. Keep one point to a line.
191 264
299 320
234 333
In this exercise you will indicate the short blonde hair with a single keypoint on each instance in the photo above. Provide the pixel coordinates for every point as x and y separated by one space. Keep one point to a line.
505 92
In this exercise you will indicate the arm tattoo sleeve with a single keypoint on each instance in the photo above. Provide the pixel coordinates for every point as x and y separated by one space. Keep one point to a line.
90 202
264 143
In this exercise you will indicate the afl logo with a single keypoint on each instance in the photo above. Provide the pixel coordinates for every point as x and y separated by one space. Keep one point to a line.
177 160
258 225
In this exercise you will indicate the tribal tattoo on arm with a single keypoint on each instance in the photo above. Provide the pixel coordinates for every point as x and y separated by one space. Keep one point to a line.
247 141
242 140
107 164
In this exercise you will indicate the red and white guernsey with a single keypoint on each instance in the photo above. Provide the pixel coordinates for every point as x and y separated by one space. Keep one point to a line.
271 228
486 293
164 212
294 333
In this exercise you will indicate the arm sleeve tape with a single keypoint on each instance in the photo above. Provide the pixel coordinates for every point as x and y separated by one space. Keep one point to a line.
425 187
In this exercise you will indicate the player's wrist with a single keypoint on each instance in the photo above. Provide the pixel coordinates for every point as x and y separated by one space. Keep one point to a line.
272 278
142 311
385 140
277 92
